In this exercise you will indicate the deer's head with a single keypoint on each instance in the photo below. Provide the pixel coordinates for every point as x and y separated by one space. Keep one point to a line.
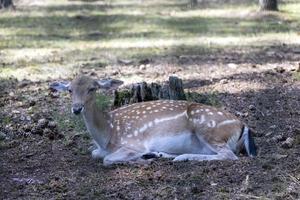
83 89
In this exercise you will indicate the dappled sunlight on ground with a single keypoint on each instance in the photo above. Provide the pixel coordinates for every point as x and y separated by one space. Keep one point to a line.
67 34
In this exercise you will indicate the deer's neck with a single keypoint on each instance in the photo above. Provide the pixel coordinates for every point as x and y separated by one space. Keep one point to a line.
97 122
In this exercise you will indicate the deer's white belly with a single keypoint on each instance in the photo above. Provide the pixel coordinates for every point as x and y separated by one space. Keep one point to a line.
180 143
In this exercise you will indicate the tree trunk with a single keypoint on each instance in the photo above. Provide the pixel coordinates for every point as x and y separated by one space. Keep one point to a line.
268 5
193 3
6 4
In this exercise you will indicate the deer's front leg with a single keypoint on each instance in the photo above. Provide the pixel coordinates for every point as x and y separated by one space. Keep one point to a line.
97 151
124 155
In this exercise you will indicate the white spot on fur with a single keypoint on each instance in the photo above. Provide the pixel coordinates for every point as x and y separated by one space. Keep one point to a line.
129 135
150 124
202 119
124 142
227 122
143 128
111 125
207 110
156 121
197 111
220 113
192 113
210 113
144 112
211 124
118 128
136 133
148 108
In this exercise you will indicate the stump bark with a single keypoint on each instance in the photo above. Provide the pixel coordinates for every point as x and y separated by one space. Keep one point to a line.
268 5
6 4
140 92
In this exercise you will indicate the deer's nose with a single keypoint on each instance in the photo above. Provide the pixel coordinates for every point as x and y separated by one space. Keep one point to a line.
77 108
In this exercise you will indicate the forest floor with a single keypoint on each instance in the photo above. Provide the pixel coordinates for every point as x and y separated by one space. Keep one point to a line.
242 60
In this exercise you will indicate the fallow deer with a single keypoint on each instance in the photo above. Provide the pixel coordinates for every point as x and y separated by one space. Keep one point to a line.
179 130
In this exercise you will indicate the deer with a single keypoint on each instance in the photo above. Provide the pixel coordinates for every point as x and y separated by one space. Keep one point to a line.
173 129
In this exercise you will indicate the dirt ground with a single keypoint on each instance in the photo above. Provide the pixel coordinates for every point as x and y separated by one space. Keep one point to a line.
56 164
44 149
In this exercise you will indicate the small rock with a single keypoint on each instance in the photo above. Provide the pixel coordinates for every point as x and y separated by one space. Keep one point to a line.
115 72
125 62
279 70
47 131
92 74
36 130
251 107
232 65
54 94
32 103
16 112
158 174
42 123
142 67
223 81
2 136
144 61
27 128
288 143
52 125
241 114
278 156
278 138
24 83
273 126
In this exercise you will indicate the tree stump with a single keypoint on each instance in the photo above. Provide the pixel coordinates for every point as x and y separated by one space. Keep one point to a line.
6 4
140 92
268 5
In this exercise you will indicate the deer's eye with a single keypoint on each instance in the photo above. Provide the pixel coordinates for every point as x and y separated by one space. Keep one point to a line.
92 89
70 91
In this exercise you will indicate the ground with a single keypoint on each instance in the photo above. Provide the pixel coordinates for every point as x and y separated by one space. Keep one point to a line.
235 57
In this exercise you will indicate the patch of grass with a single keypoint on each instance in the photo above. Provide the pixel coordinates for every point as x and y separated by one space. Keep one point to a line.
120 98
103 101
6 120
296 76
205 98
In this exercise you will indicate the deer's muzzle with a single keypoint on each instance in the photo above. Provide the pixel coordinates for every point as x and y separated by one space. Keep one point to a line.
77 108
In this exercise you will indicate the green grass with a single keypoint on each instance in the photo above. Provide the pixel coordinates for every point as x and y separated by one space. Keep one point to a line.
63 36
204 98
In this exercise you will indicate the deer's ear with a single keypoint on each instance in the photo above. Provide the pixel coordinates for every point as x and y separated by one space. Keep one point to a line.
60 86
109 83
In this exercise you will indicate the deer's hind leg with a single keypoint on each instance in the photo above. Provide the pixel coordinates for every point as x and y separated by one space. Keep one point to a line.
223 153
